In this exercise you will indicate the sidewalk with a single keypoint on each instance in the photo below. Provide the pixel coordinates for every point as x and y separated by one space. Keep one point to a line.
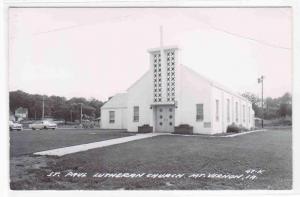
85 147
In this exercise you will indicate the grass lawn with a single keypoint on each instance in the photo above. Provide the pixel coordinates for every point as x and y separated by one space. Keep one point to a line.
269 151
29 141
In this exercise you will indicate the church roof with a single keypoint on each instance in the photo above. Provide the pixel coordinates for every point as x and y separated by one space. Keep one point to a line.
216 84
117 101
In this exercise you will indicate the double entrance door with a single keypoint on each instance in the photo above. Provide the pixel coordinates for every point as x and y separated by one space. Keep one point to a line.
164 118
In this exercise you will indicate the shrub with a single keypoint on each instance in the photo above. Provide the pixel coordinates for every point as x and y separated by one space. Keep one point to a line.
145 129
183 129
233 128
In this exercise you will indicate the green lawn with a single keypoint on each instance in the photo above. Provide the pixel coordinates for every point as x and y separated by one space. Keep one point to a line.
28 141
268 151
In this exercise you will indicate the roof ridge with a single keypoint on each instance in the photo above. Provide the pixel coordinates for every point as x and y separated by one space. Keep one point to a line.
216 84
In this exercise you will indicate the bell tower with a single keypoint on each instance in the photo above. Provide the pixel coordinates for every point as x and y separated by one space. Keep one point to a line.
163 62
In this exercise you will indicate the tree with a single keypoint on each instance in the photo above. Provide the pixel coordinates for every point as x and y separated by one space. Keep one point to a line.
255 103
285 105
273 107
97 105
55 106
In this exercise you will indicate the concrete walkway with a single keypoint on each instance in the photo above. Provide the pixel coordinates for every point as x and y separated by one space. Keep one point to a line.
85 147
218 136
243 133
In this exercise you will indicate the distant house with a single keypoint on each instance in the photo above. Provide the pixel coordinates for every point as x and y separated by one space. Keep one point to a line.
21 113
97 121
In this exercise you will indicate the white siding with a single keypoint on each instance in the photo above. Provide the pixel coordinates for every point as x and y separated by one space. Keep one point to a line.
193 90
237 118
140 94
120 118
118 104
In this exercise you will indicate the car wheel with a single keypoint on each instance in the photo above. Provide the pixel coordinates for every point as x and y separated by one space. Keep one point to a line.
45 127
53 128
33 128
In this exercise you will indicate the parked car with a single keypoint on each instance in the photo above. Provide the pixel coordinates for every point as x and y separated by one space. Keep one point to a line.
15 126
43 124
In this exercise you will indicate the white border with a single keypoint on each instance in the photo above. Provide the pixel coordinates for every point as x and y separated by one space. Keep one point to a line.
4 145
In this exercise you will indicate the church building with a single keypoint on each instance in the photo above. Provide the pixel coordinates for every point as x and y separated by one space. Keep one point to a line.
170 94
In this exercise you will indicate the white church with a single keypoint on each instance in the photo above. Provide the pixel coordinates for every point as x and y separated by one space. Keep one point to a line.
170 94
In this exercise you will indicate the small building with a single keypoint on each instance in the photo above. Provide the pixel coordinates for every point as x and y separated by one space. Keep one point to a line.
21 113
115 112
170 94
12 116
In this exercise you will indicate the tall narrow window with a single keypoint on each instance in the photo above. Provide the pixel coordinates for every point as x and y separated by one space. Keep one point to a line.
228 110
199 112
111 116
243 113
136 114
236 112
232 109
217 110
249 114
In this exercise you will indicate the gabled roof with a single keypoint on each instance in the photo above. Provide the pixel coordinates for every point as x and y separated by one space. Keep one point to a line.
137 81
117 101
216 84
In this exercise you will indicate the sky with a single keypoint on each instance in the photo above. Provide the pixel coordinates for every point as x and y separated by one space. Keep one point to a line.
98 52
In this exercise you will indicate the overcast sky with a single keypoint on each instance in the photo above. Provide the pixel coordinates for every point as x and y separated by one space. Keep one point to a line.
98 52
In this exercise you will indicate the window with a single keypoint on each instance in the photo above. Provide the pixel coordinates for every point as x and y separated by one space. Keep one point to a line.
111 116
199 112
228 110
232 110
207 124
236 112
135 113
243 113
249 114
217 110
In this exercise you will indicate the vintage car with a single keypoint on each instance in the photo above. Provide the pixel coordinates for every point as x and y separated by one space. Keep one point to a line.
43 124
15 126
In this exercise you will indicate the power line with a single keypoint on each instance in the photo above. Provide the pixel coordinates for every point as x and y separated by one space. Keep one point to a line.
73 26
210 25
245 37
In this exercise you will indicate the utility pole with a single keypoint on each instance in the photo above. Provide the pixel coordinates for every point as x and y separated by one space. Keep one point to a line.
80 113
43 112
71 113
261 80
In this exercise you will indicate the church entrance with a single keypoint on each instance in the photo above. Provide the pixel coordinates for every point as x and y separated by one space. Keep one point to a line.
164 118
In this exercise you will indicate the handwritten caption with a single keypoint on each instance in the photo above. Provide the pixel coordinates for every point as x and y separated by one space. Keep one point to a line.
249 174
